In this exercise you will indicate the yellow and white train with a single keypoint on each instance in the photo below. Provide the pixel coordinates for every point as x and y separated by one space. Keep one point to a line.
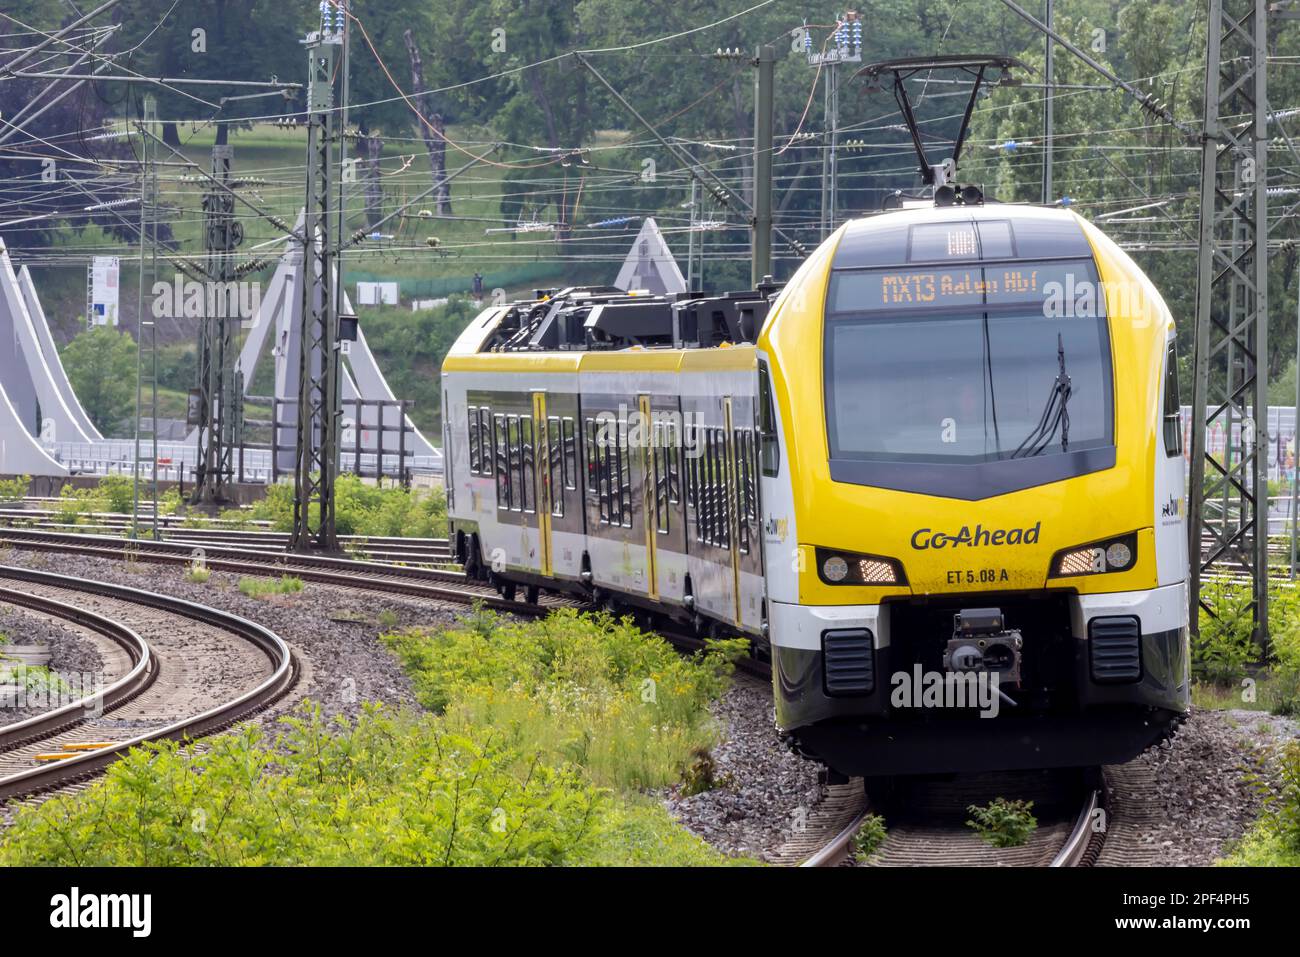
938 479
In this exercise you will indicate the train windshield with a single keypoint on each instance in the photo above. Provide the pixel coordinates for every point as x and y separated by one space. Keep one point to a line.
947 384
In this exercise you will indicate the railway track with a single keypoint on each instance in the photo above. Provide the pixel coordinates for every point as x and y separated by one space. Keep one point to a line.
181 670
409 582
376 548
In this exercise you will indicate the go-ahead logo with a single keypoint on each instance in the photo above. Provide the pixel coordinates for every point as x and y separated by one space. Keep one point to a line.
924 538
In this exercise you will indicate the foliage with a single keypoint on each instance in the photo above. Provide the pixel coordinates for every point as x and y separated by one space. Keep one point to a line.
588 689
100 364
258 587
199 575
869 836
113 493
1003 823
1224 646
14 489
1275 838
360 509
459 788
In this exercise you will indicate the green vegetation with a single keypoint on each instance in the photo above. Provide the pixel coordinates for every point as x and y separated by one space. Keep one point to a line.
870 835
360 509
1003 823
14 489
260 587
34 680
199 575
1226 659
598 692
544 734
100 363
1274 841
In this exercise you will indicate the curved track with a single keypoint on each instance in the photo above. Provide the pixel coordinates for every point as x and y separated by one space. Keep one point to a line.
194 670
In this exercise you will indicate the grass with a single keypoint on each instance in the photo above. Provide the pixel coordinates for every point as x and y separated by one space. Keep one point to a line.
260 587
198 575
541 742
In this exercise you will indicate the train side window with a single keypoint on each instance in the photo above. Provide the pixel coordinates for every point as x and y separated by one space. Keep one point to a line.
592 486
484 425
726 481
600 441
743 494
1173 405
624 478
659 457
570 449
502 443
512 462
527 465
769 441
471 428
555 465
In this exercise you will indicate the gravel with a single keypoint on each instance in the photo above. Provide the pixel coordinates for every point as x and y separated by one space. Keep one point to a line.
764 790
333 631
70 652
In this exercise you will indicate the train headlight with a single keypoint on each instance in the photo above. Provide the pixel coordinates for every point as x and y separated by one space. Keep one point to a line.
836 567
1110 555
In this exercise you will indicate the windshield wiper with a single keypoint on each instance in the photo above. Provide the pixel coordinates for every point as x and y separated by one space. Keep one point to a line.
1056 414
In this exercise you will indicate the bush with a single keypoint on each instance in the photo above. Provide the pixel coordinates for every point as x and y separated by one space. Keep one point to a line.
360 509
870 835
588 689
1274 841
1003 823
14 489
257 587
1225 645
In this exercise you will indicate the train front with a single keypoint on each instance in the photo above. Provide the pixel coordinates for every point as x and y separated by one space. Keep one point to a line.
975 540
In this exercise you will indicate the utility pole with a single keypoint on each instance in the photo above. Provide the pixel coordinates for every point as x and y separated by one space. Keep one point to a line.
1049 66
218 406
1231 360
845 47
149 111
316 457
695 239
761 241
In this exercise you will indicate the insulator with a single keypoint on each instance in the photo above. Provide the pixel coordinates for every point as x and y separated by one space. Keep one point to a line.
432 241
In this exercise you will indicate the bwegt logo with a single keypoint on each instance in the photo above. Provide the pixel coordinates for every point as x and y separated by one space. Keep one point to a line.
179 299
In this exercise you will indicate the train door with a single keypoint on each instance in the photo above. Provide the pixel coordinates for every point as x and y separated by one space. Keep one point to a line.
544 491
649 496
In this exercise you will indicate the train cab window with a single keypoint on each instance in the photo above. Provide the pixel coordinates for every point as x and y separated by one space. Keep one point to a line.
960 369
501 441
1173 419
471 428
570 450
769 441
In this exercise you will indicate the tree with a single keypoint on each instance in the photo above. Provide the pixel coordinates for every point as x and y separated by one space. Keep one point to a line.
100 363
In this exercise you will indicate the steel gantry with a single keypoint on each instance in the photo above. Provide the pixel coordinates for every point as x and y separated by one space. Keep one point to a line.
218 398
316 456
1228 498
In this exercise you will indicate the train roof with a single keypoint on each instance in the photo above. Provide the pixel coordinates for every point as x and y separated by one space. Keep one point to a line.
953 234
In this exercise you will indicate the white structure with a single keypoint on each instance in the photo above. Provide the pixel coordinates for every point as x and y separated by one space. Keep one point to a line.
37 407
277 323
650 264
